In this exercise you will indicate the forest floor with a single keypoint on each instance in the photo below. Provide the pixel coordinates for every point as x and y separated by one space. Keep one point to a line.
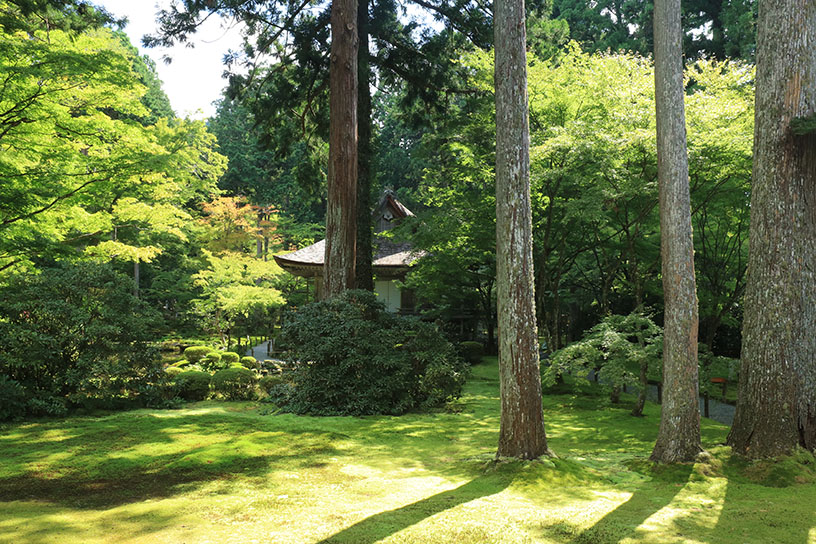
222 472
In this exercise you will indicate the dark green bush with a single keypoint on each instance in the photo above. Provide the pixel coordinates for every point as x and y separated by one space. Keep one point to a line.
268 382
195 353
355 358
472 351
193 385
229 357
12 399
235 383
75 331
46 405
250 362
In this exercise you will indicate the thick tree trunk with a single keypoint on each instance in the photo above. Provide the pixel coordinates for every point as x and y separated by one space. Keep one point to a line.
776 407
364 275
521 433
678 439
341 212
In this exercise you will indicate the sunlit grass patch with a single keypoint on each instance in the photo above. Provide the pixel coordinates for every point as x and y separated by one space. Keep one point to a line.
230 472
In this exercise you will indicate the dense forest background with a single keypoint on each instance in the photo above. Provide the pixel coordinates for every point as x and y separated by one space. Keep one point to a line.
157 227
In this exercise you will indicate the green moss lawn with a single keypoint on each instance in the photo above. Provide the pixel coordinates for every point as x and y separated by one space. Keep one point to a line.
235 473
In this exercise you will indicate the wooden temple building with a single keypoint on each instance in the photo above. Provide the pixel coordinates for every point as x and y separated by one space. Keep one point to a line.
390 262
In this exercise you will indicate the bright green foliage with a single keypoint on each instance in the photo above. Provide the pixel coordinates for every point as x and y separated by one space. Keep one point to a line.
195 353
80 173
250 362
192 385
229 357
213 361
594 192
355 358
238 294
235 383
615 348
173 371
76 332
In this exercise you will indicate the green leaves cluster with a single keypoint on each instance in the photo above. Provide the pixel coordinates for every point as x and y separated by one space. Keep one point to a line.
78 165
237 293
614 348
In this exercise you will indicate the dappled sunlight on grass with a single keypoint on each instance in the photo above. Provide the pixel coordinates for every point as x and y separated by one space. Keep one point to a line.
228 472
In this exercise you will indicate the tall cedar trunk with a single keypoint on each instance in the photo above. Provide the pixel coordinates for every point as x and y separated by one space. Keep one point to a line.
363 273
522 423
678 439
776 410
341 211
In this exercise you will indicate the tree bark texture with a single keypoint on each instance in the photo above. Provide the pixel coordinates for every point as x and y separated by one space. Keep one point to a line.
776 410
521 432
364 275
678 438
341 213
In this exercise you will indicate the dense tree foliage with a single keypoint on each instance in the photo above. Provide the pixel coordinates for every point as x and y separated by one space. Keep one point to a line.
594 187
711 28
80 174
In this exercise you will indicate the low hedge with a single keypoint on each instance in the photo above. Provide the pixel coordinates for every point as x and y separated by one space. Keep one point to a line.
173 371
193 385
195 353
212 361
229 357
235 383
471 351
250 362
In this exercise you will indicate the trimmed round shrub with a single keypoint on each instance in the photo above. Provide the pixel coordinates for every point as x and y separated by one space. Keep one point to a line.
354 358
193 385
268 382
212 361
235 383
173 371
195 353
472 351
229 357
250 362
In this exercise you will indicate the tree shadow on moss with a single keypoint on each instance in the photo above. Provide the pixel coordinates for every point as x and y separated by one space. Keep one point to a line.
623 521
764 501
113 481
379 526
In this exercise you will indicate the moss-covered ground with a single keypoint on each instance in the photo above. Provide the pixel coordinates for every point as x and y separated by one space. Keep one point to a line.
236 473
